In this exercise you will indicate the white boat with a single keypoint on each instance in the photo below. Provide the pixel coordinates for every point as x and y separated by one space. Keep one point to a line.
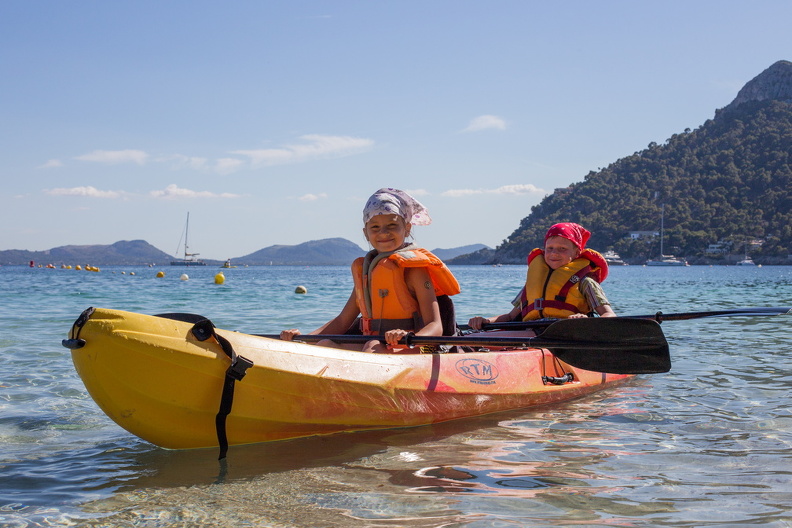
189 258
613 258
665 260
746 261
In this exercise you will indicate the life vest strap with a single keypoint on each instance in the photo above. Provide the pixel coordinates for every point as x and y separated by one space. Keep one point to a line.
541 304
380 326
573 280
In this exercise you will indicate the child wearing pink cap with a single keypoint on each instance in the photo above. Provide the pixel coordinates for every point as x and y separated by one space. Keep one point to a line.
563 280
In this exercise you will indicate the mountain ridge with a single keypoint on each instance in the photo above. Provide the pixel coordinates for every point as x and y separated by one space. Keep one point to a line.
325 252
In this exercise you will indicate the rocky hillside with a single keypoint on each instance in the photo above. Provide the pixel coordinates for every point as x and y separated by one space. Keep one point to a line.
726 184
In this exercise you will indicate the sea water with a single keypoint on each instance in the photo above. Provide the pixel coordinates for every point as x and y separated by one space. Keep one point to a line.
707 444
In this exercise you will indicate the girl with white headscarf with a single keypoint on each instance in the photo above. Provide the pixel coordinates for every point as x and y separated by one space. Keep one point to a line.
397 284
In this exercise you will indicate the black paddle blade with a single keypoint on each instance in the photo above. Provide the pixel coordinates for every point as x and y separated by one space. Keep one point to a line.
605 344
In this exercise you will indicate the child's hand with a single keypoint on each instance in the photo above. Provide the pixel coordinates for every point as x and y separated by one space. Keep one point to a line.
289 335
477 322
392 337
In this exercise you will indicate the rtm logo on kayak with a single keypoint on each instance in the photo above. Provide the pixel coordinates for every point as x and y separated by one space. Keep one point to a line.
477 371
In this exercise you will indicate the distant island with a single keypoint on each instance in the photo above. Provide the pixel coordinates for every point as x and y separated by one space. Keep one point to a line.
326 252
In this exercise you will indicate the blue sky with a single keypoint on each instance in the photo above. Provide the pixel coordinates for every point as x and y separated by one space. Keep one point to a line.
272 122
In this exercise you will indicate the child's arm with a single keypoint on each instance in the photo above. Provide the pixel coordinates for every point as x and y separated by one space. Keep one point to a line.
420 283
595 297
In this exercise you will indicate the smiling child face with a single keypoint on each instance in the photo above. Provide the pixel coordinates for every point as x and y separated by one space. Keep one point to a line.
386 232
560 251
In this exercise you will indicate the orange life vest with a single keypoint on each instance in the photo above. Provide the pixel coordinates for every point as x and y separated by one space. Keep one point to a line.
382 295
556 293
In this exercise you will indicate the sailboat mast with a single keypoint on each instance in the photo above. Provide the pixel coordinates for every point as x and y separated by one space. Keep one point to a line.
186 235
662 228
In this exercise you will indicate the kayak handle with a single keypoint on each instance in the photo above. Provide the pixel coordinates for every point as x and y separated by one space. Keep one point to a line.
73 344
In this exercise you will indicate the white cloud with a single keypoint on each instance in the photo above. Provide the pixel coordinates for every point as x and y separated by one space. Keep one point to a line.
173 192
91 192
51 164
518 189
227 165
315 146
312 197
114 157
485 122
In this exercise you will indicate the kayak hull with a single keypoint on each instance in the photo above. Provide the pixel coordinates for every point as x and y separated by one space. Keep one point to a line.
156 380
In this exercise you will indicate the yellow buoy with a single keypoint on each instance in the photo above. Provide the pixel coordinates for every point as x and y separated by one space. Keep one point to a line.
184 277
300 289
219 278
160 274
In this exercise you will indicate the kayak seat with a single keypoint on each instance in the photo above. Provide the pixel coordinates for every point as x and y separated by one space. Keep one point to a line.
447 315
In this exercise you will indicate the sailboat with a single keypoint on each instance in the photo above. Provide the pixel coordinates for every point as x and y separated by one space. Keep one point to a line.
746 261
665 260
189 258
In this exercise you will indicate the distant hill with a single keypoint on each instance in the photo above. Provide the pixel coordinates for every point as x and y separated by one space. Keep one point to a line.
130 253
326 252
448 254
726 188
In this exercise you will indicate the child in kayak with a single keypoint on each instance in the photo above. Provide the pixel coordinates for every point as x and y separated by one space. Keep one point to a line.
396 283
563 280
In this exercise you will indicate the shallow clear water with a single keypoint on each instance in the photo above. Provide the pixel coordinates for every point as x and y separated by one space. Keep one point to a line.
707 444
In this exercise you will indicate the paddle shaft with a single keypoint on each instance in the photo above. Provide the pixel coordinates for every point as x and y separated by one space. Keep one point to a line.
658 317
412 340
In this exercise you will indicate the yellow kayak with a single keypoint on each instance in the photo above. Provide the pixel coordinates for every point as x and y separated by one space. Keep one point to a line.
157 380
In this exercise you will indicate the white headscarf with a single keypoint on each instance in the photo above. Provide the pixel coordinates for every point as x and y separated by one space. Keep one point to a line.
394 201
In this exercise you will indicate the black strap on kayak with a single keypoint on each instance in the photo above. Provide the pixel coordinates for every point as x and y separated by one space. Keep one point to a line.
568 377
203 329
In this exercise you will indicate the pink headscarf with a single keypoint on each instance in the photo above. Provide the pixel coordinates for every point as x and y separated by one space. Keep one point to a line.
576 233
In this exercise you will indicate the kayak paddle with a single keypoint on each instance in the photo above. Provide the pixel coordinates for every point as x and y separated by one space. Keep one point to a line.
605 344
